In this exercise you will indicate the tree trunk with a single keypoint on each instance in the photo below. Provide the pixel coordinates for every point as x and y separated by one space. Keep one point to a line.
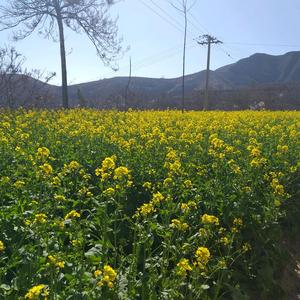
65 100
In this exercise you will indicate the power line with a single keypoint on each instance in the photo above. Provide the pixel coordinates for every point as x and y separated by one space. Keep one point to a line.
157 13
169 19
167 55
152 60
166 13
203 28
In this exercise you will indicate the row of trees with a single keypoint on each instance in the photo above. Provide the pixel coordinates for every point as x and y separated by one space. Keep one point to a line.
51 17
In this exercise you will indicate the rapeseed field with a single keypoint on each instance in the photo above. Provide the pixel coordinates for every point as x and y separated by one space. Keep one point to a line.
143 205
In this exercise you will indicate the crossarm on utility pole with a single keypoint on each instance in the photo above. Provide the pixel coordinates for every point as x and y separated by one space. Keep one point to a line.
207 40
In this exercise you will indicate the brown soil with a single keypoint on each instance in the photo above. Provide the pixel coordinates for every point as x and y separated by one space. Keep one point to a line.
290 280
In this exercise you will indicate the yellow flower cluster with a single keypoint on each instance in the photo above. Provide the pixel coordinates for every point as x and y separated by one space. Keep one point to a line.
145 210
172 163
56 181
183 267
72 215
234 167
43 152
157 198
255 152
175 223
277 187
107 167
246 247
282 149
46 169
202 256
73 165
36 291
19 184
186 207
40 218
148 208
224 240
188 184
147 185
258 162
56 262
108 164
168 182
209 219
109 192
238 222
108 274
121 173
2 247
60 198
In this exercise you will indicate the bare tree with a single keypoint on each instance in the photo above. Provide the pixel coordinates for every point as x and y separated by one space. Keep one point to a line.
10 64
184 9
82 16
18 84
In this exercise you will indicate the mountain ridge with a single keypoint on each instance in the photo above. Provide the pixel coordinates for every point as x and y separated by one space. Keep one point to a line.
256 71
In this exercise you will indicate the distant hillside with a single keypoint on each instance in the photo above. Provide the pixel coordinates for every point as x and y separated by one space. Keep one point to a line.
259 71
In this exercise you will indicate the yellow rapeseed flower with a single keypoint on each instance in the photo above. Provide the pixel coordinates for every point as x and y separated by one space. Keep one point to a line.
209 219
46 169
157 198
121 173
238 222
73 165
55 181
108 164
19 184
40 218
76 243
145 210
36 291
60 198
255 152
56 262
43 152
183 267
109 276
97 273
202 256
282 149
2 247
175 223
168 182
188 183
72 214
224 240
246 247
109 191
185 207
147 185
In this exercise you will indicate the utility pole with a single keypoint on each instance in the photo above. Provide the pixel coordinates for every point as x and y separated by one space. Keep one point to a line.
207 40
184 6
127 87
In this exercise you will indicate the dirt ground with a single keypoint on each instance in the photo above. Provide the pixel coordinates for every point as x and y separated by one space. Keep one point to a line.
290 281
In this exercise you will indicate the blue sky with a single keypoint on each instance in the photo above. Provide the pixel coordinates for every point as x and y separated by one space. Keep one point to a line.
245 27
